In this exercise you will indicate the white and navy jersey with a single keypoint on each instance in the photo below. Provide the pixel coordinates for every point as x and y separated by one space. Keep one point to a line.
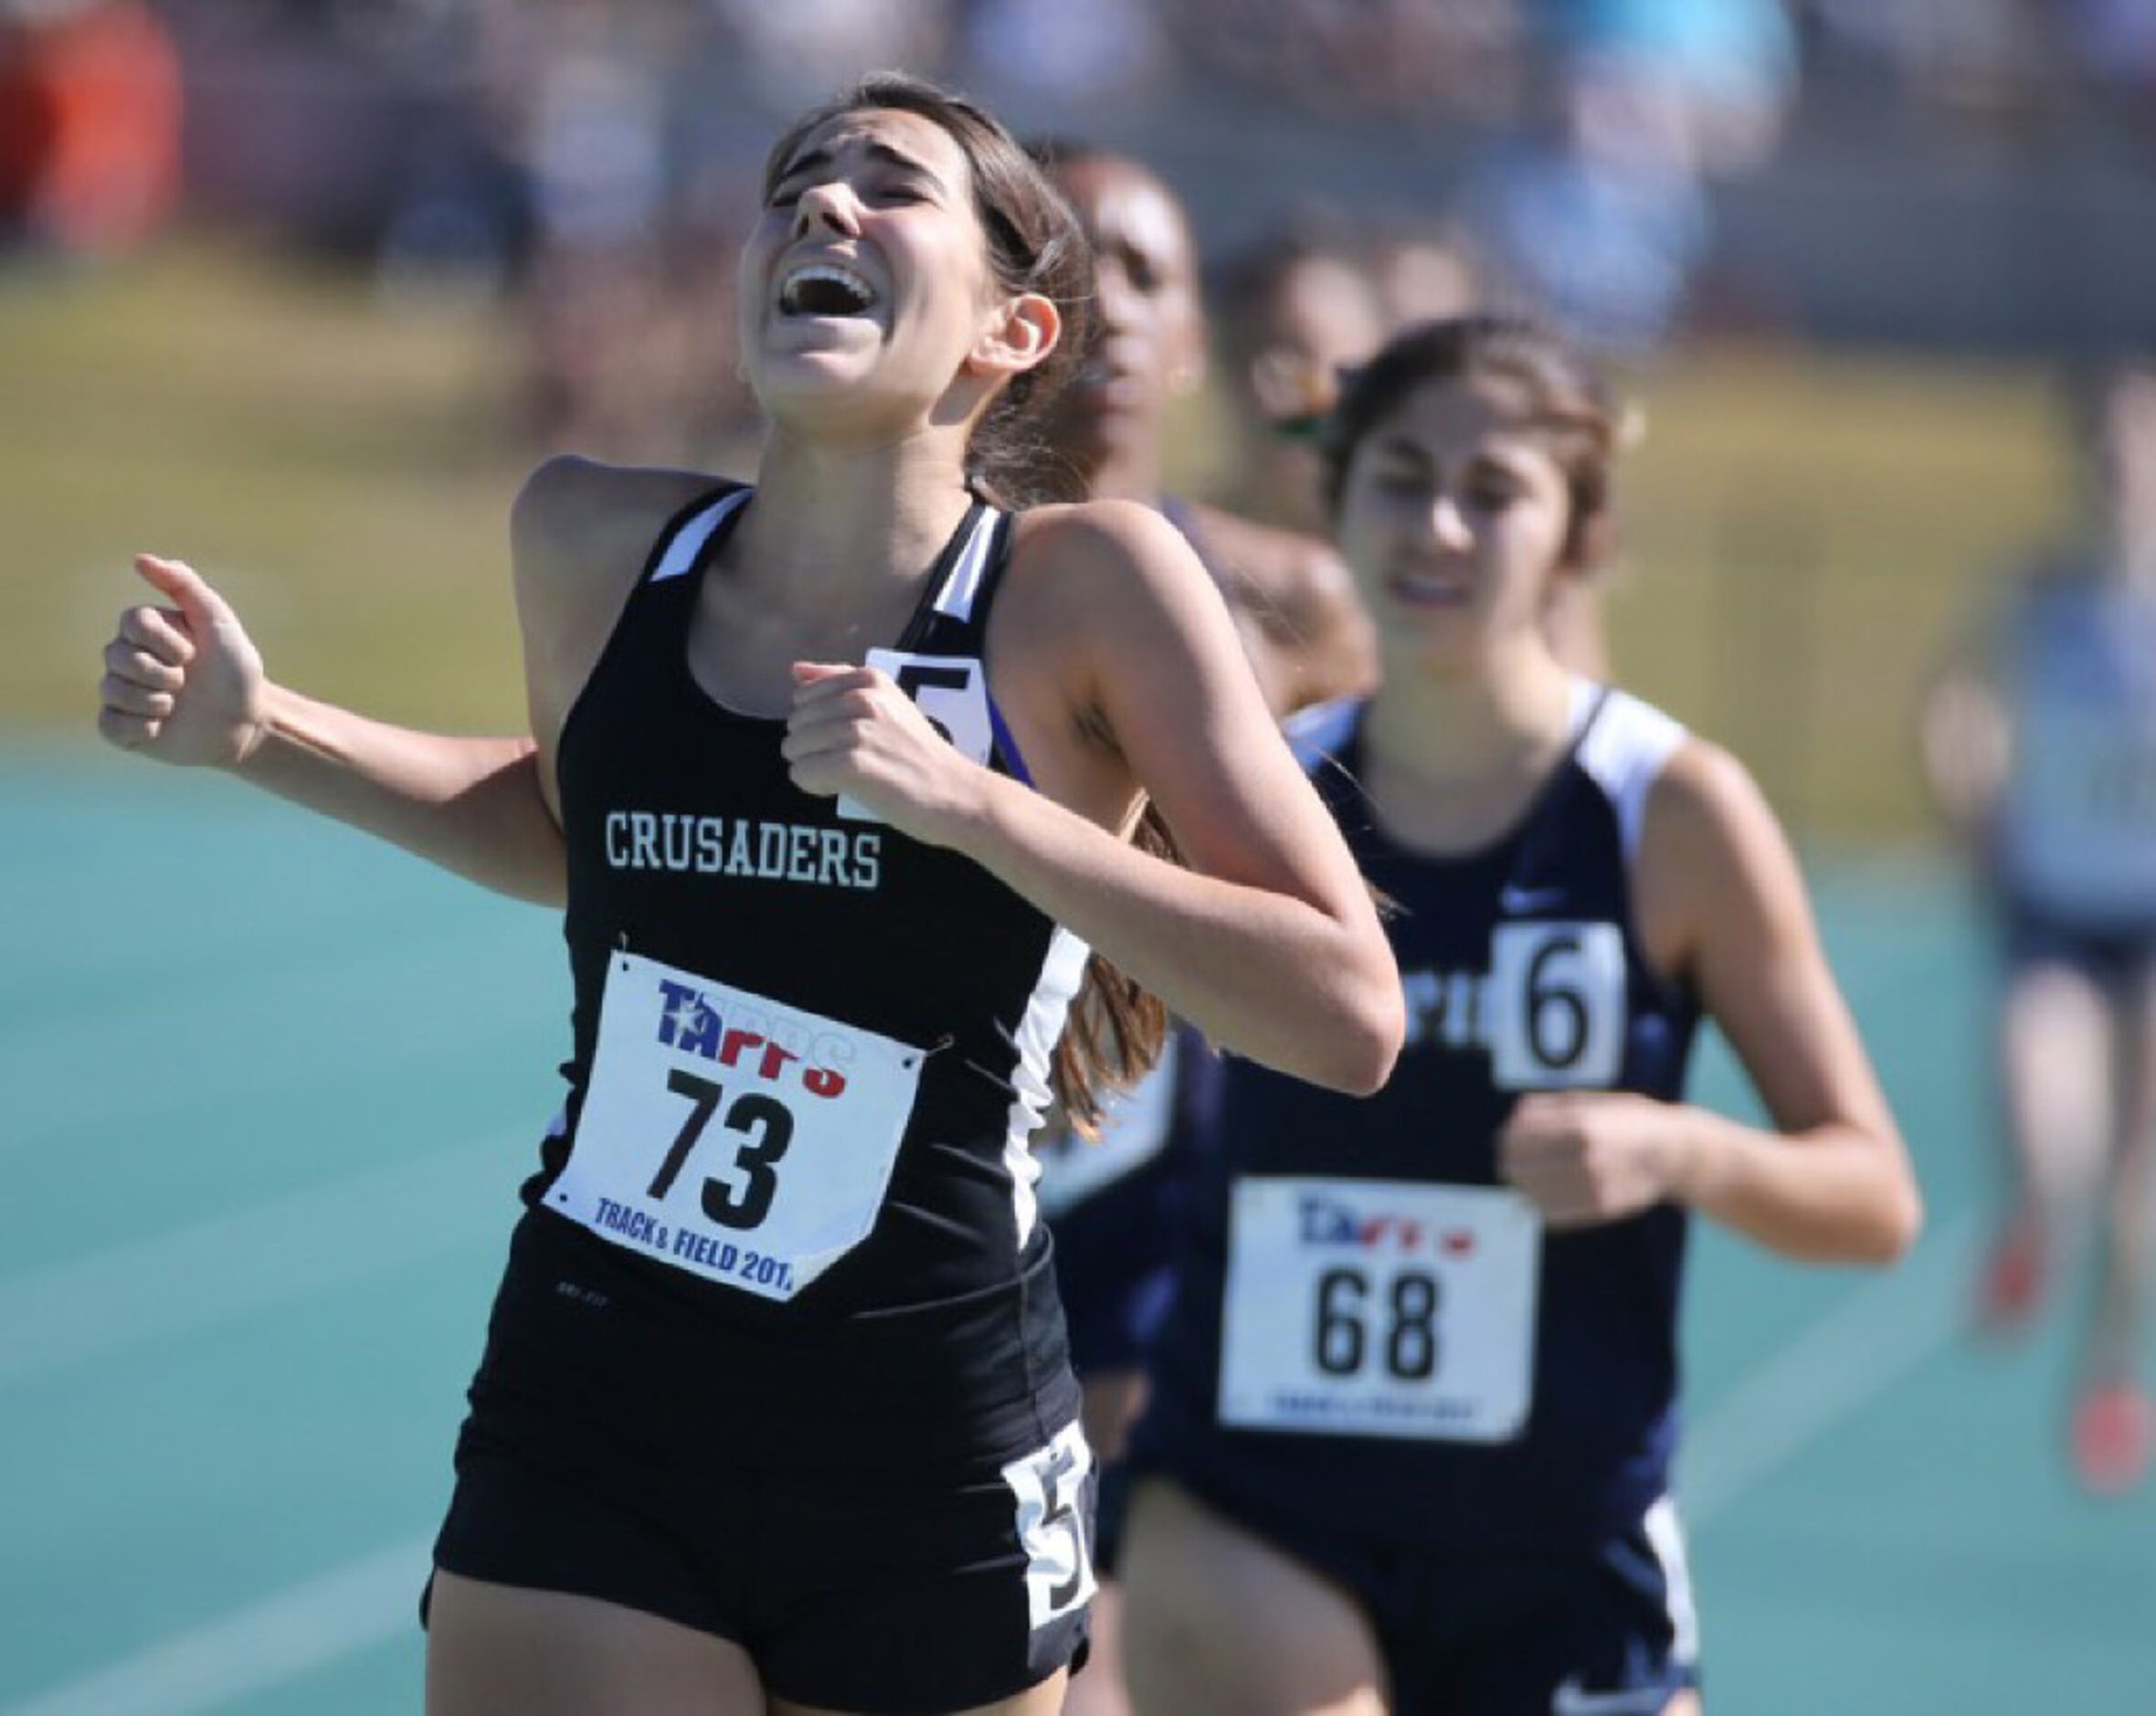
809 1051
1365 1331
2076 833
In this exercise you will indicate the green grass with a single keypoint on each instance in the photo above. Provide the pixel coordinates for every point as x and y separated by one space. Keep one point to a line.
1805 530
342 472
1807 535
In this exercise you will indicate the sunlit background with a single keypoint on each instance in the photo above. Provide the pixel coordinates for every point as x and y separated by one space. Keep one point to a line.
297 291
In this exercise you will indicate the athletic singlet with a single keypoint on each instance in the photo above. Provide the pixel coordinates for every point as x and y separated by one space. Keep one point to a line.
1368 1332
809 1052
2077 826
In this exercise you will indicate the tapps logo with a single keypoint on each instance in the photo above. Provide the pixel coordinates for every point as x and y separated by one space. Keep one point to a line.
1331 1221
776 1045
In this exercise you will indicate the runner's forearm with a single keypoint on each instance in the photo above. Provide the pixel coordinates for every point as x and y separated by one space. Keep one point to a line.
471 805
1271 977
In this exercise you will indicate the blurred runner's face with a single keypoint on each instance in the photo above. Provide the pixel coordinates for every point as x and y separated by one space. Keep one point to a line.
867 278
1453 519
1150 346
1323 316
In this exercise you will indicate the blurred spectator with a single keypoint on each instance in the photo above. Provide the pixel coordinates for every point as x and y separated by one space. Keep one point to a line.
1295 309
1724 70
2113 42
595 139
1596 212
1422 271
2040 746
90 126
1106 52
1417 60
801 50
1966 54
629 280
1595 215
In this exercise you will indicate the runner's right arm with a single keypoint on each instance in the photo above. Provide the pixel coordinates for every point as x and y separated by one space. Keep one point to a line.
184 685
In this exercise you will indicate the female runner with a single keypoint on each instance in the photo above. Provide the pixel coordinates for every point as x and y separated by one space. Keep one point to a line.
2042 745
775 1411
1413 1403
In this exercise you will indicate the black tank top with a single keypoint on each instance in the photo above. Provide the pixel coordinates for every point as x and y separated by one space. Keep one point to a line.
742 951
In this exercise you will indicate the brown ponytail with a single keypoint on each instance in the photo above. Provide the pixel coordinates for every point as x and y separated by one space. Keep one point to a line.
1116 1028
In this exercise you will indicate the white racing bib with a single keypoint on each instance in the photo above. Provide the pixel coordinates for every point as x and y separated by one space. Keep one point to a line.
1380 1308
732 1136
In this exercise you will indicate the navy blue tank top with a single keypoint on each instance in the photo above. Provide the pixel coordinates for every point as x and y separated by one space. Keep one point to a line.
809 1052
1349 1369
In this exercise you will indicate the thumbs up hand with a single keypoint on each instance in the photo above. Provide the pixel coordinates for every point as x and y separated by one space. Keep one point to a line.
183 684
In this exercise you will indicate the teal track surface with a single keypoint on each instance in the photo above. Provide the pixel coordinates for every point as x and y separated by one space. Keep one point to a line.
270 1088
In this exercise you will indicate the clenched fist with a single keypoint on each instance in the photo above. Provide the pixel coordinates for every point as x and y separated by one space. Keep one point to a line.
1587 1157
183 684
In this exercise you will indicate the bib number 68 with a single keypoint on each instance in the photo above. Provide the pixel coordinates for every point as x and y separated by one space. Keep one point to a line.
1405 1325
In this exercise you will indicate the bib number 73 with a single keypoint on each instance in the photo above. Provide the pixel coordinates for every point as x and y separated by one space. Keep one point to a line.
767 1127
732 1136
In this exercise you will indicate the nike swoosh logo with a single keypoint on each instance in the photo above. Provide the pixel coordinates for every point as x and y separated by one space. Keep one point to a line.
1570 1701
1519 899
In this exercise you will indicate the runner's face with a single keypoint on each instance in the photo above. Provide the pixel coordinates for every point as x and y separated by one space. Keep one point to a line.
867 279
1453 520
1321 317
1151 341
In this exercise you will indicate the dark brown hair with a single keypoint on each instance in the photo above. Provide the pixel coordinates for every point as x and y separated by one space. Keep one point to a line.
1035 245
1569 402
1115 1029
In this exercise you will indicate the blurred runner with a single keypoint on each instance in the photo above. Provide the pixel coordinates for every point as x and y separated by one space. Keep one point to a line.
1113 1200
2040 746
1414 1396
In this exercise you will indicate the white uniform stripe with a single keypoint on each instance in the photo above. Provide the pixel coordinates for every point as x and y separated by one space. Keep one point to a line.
1062 971
1624 751
1665 1535
956 599
688 542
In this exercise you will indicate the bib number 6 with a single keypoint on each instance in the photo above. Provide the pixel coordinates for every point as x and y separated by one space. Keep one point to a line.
767 1127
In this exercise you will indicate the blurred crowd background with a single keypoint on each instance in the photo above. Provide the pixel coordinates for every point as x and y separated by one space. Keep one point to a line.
1841 248
300 290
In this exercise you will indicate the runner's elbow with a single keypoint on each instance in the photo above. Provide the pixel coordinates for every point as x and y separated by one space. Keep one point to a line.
1900 1223
1367 1030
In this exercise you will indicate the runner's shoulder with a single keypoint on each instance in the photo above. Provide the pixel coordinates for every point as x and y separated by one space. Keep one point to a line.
1087 562
577 521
